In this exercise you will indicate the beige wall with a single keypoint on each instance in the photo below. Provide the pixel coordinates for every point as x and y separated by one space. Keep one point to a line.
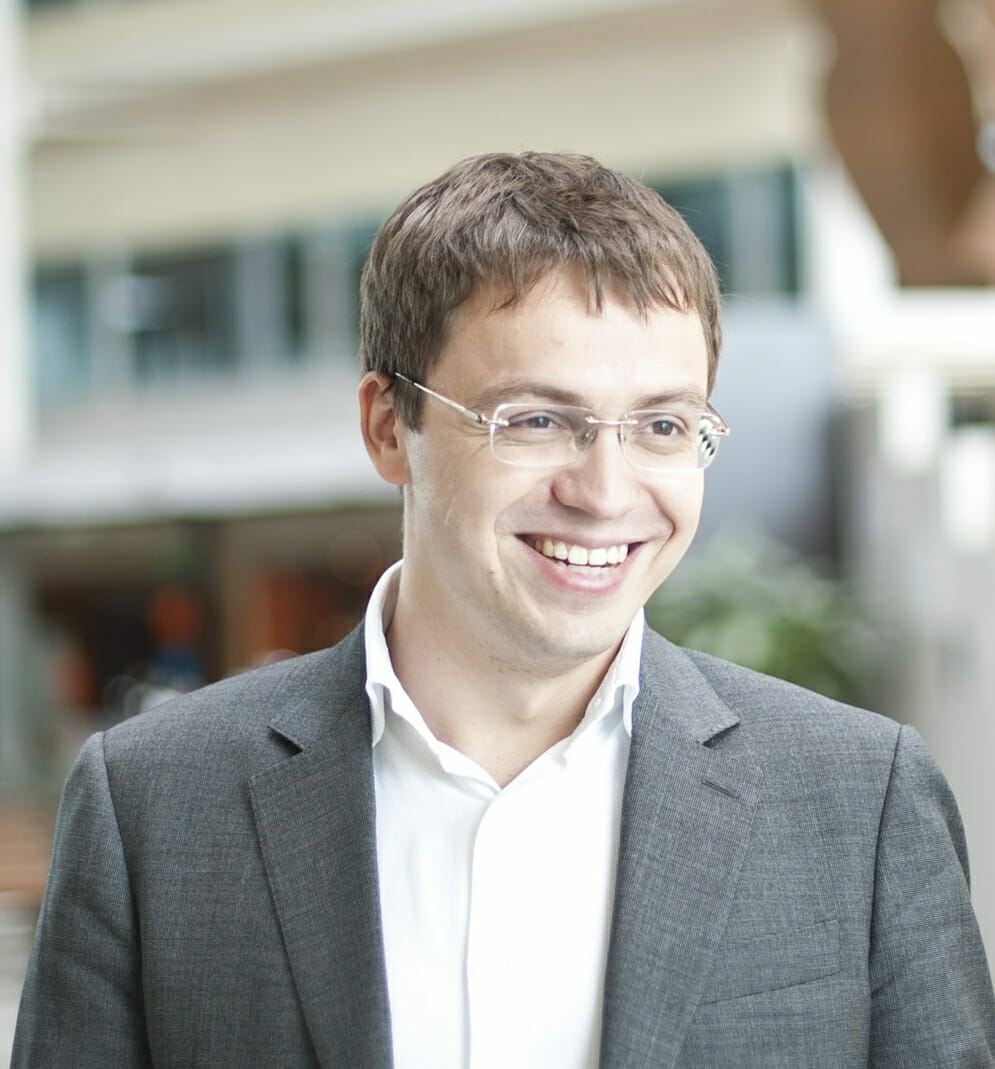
645 90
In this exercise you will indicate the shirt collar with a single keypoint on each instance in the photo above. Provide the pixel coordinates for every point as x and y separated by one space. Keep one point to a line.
620 685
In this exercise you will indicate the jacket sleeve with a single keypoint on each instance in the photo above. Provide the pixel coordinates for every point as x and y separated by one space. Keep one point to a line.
82 999
932 1001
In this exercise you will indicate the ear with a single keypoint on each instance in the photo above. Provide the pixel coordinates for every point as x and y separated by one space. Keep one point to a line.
382 428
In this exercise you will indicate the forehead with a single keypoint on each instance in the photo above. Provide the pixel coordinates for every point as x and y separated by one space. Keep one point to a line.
554 334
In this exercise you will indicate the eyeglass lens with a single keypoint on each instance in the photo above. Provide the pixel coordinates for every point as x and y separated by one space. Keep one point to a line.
557 435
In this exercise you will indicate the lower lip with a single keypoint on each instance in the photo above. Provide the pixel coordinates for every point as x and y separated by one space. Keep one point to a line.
600 580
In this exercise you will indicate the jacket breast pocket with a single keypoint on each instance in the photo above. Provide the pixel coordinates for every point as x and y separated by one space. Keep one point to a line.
778 960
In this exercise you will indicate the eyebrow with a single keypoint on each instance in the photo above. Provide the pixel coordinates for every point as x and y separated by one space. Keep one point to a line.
525 389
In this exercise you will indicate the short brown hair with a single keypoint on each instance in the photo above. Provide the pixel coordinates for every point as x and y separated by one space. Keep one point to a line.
506 221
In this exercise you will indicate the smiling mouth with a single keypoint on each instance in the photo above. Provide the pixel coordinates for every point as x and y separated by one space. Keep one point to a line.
568 553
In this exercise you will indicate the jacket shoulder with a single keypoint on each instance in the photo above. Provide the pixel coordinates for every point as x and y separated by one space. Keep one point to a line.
235 714
767 706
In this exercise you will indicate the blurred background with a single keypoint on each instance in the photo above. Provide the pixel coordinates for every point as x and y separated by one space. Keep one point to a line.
187 193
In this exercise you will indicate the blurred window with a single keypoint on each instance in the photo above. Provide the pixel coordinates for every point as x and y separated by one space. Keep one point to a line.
332 260
180 311
156 320
972 409
292 263
359 238
748 223
269 302
61 335
704 204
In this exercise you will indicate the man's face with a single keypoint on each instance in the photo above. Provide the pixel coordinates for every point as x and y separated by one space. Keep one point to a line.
475 527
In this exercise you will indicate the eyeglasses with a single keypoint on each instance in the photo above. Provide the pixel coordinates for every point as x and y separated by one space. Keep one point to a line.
533 434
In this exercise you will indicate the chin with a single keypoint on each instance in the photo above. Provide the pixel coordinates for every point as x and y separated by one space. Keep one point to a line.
571 647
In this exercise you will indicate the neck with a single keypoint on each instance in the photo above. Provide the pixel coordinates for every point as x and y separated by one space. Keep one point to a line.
502 716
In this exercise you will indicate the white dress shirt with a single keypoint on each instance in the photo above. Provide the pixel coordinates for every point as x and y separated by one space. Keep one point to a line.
496 903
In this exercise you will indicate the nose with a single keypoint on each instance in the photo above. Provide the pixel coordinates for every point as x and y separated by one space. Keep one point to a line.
601 482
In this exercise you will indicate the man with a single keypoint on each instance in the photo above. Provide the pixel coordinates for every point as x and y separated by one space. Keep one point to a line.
504 825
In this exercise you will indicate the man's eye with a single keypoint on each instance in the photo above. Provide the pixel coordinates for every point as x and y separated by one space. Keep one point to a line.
662 426
537 421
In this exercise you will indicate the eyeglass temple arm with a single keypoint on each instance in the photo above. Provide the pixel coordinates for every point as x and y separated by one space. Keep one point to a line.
477 417
722 429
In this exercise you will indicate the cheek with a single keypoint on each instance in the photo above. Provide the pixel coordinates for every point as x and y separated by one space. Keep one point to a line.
522 501
437 475
431 503
468 495
681 504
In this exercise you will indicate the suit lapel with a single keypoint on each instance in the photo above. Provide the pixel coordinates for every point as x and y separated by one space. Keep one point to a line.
316 823
686 818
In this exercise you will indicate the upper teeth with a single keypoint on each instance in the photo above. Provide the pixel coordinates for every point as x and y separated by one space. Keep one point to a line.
574 554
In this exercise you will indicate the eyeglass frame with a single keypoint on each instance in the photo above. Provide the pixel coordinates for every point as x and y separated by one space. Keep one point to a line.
719 428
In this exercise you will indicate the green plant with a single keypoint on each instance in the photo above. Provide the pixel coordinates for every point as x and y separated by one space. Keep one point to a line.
753 601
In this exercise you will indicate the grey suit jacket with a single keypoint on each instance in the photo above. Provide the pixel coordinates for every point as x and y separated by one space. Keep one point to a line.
791 888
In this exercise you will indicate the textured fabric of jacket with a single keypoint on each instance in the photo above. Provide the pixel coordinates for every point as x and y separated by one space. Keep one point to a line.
791 889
